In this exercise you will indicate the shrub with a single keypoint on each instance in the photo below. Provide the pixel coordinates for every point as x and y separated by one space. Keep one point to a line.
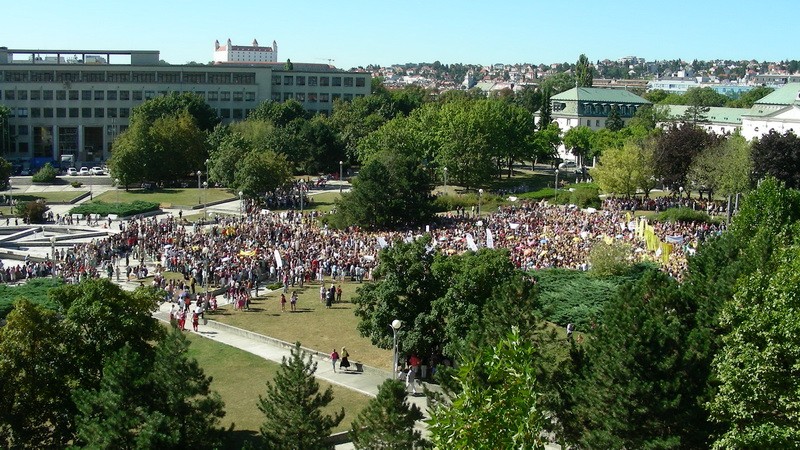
34 290
274 286
583 196
32 212
120 209
683 215
544 193
47 174
609 259
76 184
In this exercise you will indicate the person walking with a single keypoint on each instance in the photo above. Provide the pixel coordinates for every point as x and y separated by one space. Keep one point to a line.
283 302
293 301
195 321
411 380
334 359
345 361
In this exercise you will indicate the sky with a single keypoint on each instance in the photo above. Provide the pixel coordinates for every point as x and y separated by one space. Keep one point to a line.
352 33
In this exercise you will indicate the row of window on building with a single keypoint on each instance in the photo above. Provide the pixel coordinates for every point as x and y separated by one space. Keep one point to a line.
76 76
315 80
98 95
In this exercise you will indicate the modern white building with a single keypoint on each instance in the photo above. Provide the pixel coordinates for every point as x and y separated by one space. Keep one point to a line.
779 111
244 54
79 108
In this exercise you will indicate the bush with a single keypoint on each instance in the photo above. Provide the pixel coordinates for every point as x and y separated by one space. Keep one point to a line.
489 201
609 259
34 290
544 193
582 195
572 296
683 215
120 209
47 174
32 212
76 184
274 286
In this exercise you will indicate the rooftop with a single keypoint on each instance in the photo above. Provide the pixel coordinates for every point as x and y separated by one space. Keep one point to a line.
785 96
599 95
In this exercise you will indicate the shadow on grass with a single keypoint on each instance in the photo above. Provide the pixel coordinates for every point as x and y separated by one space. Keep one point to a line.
237 439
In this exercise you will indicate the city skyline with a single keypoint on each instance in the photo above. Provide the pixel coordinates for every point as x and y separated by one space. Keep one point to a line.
352 34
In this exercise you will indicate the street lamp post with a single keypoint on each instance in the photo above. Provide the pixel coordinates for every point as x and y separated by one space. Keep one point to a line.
396 325
10 197
445 180
341 179
241 205
116 193
199 192
205 199
53 256
301 187
480 200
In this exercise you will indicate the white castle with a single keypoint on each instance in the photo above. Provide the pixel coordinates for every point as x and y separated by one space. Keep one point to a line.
230 53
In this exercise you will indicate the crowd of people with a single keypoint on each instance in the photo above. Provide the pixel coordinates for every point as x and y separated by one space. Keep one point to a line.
293 248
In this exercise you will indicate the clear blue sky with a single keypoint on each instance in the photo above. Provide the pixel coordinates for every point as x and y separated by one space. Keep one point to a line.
357 32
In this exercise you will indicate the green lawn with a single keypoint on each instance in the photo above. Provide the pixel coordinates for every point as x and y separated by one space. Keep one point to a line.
323 202
314 325
177 197
49 197
240 377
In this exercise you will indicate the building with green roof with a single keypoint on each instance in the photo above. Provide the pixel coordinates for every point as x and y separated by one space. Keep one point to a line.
719 120
778 111
583 106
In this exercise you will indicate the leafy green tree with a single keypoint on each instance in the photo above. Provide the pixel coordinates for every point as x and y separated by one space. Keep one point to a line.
749 98
293 406
656 95
35 406
610 259
777 155
388 421
725 168
583 71
557 84
131 154
546 141
758 395
47 174
261 172
172 104
228 152
354 120
497 403
546 108
391 190
279 113
650 116
614 121
158 399
625 170
579 141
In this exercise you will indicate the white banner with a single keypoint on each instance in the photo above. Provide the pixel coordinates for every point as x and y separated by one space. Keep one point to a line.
278 260
471 243
489 239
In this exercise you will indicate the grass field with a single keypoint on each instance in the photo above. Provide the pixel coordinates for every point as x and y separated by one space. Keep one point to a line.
177 197
240 377
314 325
49 197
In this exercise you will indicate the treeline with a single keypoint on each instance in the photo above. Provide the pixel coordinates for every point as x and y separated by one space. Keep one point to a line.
706 363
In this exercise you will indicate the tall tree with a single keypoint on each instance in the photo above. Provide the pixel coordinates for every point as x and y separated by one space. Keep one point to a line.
625 170
583 71
759 393
172 104
675 151
725 168
546 109
497 403
579 141
614 121
387 422
635 383
293 406
777 155
159 399
261 172
391 190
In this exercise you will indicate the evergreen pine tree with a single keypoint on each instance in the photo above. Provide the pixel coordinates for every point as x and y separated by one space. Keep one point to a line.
293 407
388 421
583 72
614 121
546 111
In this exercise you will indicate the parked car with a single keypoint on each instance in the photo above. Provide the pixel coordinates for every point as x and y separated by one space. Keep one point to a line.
84 171
25 172
96 171
72 171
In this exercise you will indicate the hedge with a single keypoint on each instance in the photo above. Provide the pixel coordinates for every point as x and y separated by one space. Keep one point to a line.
120 209
683 215
34 290
582 195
